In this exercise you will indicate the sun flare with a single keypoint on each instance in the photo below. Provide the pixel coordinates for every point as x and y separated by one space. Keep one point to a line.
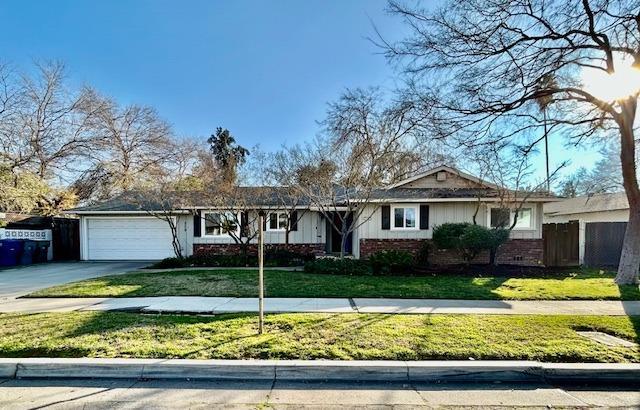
625 81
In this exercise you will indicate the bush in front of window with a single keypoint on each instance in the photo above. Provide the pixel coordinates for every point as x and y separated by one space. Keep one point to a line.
474 239
469 240
447 236
391 262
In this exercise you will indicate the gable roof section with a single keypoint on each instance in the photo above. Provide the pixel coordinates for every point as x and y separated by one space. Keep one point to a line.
471 178
586 204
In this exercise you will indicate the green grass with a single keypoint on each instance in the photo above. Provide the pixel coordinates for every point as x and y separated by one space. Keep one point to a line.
315 336
578 285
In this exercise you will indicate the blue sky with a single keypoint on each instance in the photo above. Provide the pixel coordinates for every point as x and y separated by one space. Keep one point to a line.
263 69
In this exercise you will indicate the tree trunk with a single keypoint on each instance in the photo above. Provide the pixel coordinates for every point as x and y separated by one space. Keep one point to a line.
177 249
343 240
630 257
244 249
493 256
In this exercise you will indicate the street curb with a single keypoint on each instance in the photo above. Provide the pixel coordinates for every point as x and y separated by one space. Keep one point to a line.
326 370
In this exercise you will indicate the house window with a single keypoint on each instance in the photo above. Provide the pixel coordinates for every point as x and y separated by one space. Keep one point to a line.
277 221
219 223
500 217
404 217
525 219
504 217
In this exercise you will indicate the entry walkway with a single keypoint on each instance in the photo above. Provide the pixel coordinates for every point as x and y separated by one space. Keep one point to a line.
215 305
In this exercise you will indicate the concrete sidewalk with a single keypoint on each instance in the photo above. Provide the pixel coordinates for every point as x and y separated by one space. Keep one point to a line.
214 305
290 395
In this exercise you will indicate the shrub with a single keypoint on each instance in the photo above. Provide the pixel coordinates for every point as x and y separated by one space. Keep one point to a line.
391 261
331 266
422 258
170 263
498 237
469 240
474 239
285 257
278 257
447 236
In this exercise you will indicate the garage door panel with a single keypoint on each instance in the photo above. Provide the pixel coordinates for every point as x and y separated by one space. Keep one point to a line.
128 238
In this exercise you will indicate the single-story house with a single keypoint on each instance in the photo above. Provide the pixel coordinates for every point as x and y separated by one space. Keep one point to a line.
602 220
401 216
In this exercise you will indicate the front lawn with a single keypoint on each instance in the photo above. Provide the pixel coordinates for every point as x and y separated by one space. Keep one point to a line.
316 336
581 284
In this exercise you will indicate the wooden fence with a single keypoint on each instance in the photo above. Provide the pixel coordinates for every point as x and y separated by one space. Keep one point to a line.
603 243
561 244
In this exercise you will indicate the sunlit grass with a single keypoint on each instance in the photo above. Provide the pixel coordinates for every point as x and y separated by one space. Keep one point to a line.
315 336
581 284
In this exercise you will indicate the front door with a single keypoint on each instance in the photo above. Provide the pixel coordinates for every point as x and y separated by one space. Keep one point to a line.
334 233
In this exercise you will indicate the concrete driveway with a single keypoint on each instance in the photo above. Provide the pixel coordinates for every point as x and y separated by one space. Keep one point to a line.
26 279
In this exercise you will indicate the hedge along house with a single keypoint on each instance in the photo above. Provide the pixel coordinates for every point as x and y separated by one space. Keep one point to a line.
401 216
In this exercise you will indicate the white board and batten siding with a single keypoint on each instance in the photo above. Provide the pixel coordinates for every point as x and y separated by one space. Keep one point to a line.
439 213
311 229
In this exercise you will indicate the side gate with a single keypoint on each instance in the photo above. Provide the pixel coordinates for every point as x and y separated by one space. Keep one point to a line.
561 244
603 243
66 239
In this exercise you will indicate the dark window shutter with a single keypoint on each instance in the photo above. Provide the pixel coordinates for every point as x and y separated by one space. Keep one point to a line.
293 220
197 225
244 224
267 215
424 216
386 217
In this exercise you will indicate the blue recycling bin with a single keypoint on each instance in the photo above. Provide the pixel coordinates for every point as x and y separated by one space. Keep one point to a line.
27 257
10 250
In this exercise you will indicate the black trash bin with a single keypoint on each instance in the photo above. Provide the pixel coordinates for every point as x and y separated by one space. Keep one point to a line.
28 252
42 252
10 252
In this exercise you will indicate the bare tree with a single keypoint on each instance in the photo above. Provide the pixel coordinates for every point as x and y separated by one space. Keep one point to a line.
603 177
508 169
480 64
132 145
369 143
179 185
45 128
278 172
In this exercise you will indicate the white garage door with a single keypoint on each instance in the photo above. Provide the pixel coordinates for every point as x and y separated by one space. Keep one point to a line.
132 238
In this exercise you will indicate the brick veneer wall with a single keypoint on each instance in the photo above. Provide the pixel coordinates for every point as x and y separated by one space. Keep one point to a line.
235 249
527 252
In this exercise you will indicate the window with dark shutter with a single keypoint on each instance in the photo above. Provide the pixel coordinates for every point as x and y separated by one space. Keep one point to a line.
293 218
424 216
197 225
386 217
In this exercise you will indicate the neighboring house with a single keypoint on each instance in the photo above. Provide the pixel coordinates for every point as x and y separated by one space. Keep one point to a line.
401 216
602 221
